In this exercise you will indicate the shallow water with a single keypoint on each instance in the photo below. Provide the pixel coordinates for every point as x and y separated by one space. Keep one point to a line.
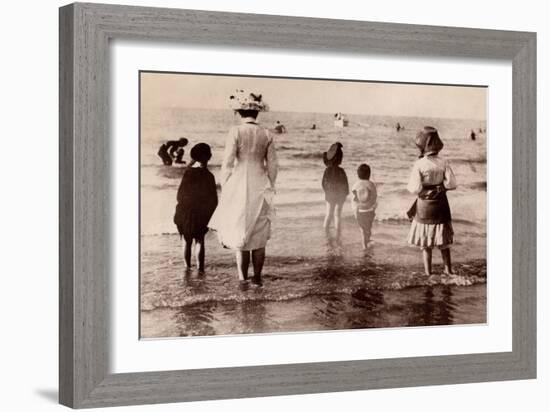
364 308
309 283
324 287
370 139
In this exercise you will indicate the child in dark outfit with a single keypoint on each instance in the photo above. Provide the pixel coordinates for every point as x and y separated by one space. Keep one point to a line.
335 185
197 200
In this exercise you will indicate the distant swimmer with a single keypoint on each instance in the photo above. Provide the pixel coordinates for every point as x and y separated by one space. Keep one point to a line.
168 151
279 127
398 126
313 126
473 135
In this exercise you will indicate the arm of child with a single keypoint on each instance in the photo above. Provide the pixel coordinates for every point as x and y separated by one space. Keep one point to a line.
450 180
374 193
182 188
324 181
354 201
415 180
212 198
345 181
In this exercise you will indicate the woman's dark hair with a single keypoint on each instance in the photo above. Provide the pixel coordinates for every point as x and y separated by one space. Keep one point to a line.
363 172
248 113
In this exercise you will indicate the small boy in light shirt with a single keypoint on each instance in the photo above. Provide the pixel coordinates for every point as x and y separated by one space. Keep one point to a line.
364 202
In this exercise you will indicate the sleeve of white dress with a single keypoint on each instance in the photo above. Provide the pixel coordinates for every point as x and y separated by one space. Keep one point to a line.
450 180
272 164
415 180
229 155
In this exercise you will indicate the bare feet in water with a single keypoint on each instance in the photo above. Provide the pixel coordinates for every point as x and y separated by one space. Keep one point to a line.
256 281
243 285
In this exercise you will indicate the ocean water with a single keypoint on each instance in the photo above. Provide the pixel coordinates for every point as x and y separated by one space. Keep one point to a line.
308 283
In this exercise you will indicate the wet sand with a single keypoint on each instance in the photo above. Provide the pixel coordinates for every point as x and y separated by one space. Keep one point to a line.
312 285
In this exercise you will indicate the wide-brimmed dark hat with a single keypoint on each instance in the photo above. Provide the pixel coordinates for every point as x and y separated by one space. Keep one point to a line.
334 150
201 152
334 153
428 141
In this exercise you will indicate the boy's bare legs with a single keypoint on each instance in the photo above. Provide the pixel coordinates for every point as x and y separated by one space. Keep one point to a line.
329 214
427 259
446 256
338 221
364 239
199 253
187 253
368 228
258 258
243 261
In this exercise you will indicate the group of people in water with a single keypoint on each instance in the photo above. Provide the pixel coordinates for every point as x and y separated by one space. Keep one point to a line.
172 151
243 214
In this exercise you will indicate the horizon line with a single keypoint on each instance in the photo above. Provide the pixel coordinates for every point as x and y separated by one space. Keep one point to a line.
344 113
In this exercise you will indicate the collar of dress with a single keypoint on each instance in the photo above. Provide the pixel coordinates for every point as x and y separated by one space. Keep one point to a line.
249 120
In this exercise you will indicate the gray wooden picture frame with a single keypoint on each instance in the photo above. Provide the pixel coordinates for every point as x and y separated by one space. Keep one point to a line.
85 32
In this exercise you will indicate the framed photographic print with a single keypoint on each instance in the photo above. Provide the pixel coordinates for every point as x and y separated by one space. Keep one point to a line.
324 270
242 196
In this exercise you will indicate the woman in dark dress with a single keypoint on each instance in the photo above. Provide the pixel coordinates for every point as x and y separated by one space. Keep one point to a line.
197 200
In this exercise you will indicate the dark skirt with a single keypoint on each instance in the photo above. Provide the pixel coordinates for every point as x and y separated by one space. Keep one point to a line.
197 200
335 185
431 219
191 224
431 206
335 198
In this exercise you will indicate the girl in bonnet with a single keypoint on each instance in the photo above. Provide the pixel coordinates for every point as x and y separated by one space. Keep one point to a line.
336 188
431 178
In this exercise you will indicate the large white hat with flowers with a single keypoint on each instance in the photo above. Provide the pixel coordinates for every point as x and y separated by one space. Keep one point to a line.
241 100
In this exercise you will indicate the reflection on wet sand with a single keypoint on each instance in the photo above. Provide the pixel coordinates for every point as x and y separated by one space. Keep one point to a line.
421 306
356 308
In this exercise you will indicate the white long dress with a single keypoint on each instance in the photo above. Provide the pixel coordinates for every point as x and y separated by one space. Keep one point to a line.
249 170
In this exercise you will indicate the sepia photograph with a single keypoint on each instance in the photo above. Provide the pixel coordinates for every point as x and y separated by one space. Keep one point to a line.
284 205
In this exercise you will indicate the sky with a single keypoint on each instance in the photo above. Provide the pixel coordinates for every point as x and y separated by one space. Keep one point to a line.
323 96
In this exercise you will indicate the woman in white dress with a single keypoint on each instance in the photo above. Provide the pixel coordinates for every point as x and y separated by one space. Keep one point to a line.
249 170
